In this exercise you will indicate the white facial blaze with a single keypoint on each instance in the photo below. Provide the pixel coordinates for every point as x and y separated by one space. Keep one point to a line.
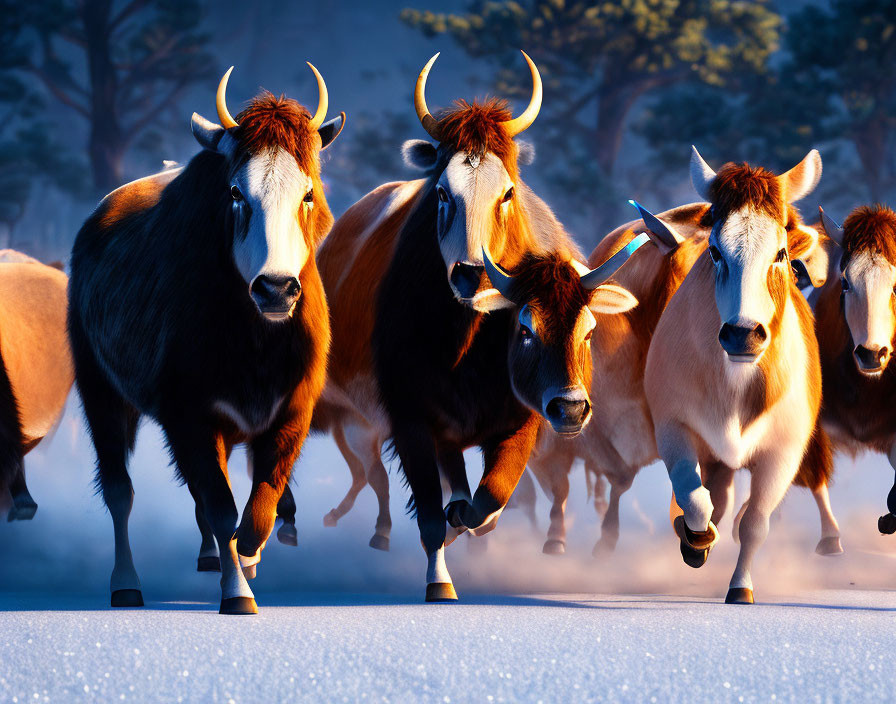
868 303
472 194
748 242
273 190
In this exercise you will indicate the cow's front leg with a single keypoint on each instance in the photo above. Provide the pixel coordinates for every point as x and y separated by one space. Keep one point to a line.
695 530
198 451
504 463
887 523
274 453
416 449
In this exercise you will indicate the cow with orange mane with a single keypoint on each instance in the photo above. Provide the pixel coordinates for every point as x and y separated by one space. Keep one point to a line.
462 315
195 300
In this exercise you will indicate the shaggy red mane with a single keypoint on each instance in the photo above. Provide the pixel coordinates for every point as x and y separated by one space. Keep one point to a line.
871 228
476 128
271 121
737 186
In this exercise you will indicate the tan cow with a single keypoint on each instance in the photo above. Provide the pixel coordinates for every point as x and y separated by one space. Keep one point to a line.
737 384
36 373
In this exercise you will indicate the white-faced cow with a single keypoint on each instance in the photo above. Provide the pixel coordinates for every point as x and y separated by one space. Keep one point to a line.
36 371
856 323
195 299
440 356
620 440
736 384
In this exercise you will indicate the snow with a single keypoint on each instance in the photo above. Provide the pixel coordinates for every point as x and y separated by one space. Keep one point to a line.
342 622
831 646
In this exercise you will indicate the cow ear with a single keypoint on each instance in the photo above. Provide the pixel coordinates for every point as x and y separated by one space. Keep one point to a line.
207 133
490 300
802 179
330 130
610 299
419 154
525 152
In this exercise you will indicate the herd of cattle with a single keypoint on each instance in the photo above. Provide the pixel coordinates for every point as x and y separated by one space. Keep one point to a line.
221 300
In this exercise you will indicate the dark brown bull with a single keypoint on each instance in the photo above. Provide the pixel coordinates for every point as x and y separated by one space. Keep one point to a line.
195 299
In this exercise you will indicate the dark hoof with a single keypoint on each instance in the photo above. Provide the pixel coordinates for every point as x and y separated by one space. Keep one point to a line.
127 598
452 513
212 563
695 546
288 535
440 591
379 542
554 547
739 595
829 546
330 520
887 524
238 606
22 512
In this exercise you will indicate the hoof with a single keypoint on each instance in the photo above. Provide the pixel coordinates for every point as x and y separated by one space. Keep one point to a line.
887 524
739 595
238 606
554 547
330 520
603 547
440 591
288 535
695 547
380 542
22 512
829 546
127 597
210 563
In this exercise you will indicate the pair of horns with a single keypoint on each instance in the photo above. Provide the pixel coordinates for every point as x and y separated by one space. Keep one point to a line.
507 286
227 121
512 127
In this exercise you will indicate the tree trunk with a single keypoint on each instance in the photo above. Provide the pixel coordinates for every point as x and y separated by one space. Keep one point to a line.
613 107
107 144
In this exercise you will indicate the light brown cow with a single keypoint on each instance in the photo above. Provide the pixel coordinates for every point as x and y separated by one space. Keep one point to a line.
737 384
621 440
36 371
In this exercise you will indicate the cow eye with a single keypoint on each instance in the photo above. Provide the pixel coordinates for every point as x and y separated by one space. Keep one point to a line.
236 194
715 254
509 195
781 256
443 194
844 284
309 197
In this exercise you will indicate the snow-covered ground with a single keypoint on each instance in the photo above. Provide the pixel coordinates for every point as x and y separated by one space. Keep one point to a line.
340 621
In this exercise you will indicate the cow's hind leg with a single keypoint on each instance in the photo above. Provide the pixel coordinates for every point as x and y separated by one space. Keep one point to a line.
719 479
286 511
769 481
359 477
552 471
113 427
830 529
378 479
12 466
209 559
609 527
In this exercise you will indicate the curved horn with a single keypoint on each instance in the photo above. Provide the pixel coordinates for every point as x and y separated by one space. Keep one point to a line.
223 113
831 228
323 102
596 277
521 123
430 124
701 174
500 279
